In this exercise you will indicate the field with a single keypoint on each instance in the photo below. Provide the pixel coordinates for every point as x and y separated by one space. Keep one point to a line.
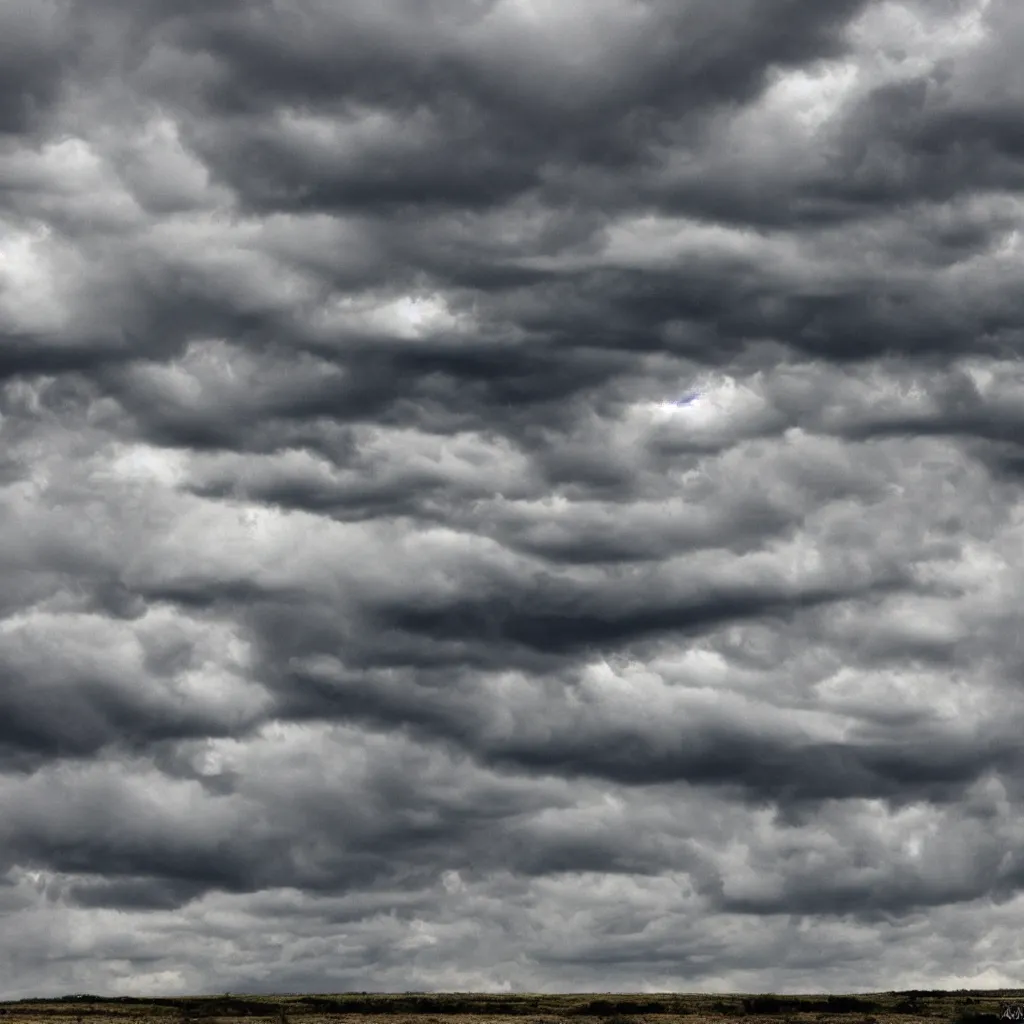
988 1007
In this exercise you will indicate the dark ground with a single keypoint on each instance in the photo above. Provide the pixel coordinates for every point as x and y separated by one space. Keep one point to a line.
983 1007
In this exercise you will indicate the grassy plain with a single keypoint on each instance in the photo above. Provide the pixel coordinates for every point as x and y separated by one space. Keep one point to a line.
910 1007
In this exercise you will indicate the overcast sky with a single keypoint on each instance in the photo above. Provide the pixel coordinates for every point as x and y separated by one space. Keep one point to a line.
511 494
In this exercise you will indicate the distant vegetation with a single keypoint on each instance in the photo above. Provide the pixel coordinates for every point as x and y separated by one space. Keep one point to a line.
951 1007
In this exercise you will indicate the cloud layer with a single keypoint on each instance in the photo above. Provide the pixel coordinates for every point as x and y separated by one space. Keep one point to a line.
511 494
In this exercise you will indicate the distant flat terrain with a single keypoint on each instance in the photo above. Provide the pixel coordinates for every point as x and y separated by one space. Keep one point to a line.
983 1007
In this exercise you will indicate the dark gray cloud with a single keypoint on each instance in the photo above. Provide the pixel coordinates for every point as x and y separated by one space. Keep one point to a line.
510 494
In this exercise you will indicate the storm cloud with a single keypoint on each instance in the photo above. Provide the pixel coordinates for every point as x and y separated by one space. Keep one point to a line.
511 494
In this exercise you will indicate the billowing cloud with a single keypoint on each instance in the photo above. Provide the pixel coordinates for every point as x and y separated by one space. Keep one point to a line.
505 494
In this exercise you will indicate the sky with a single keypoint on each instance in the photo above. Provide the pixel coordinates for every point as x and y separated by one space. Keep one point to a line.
511 495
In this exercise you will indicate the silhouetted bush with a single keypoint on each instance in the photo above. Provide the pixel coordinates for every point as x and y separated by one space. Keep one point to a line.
850 1004
233 1007
769 1005
607 1008
970 1017
777 1005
